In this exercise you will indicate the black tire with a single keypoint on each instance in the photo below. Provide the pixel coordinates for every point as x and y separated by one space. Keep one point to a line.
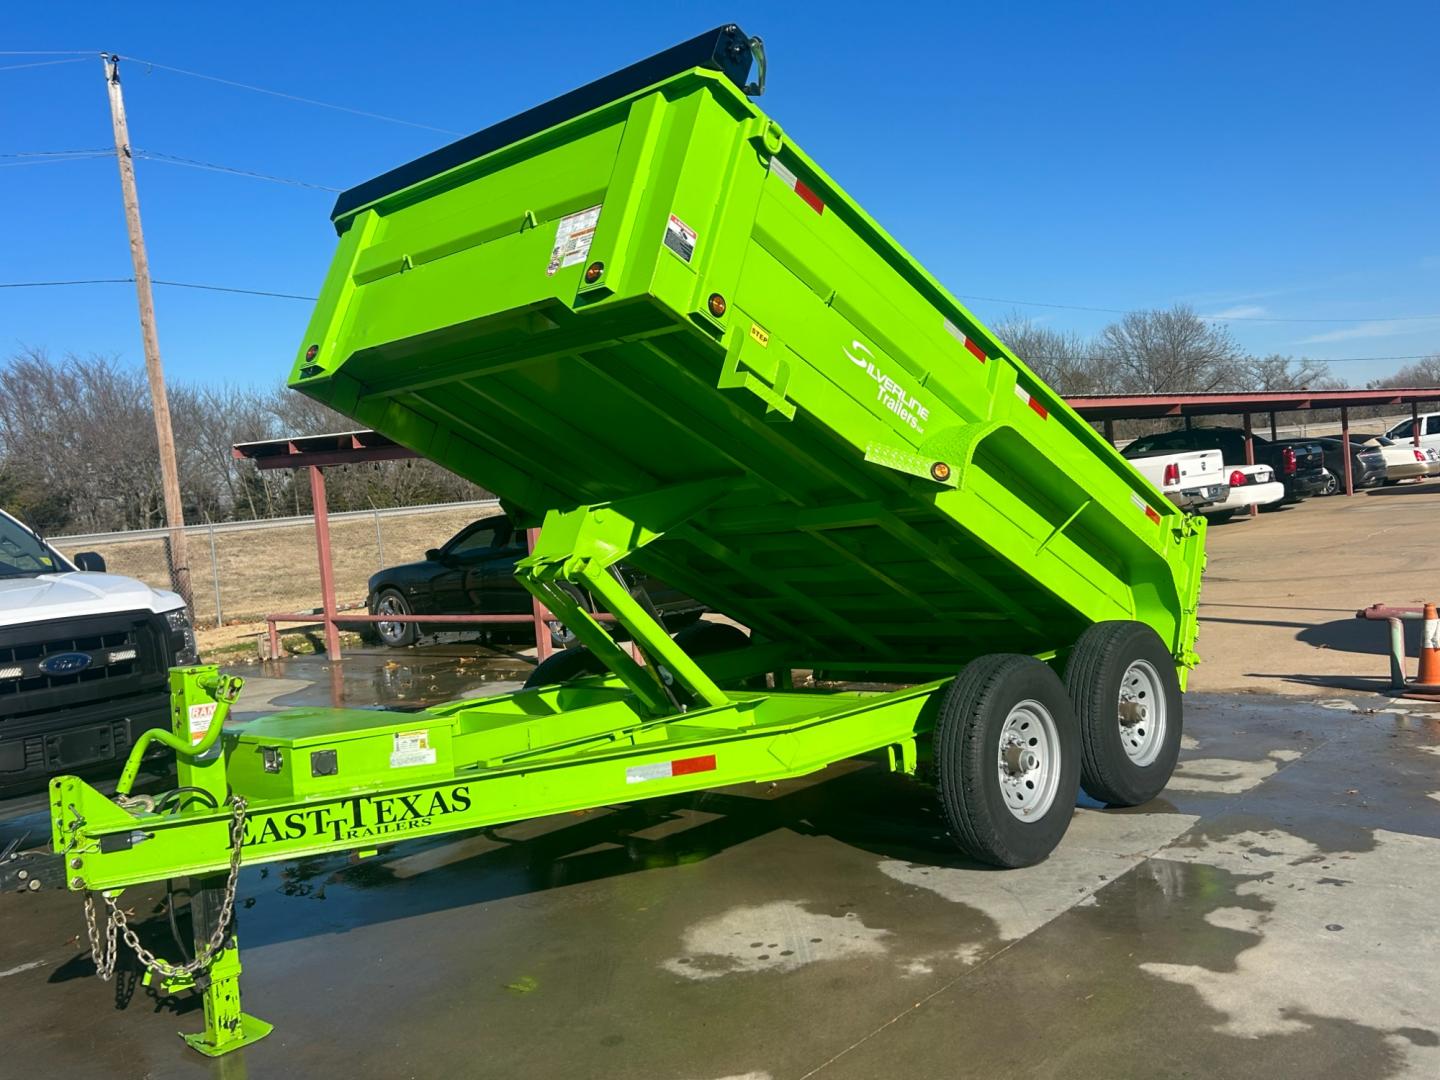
391 602
973 715
1098 665
1219 517
708 638
563 667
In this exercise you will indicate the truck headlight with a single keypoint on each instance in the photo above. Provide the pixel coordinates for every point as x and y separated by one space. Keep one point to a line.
182 637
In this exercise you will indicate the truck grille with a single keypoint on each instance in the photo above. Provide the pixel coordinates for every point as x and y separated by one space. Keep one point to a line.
70 662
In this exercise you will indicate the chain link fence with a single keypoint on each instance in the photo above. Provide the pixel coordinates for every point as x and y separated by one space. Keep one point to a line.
243 571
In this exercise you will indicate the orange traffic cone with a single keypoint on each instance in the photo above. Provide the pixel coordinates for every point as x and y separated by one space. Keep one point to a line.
1430 650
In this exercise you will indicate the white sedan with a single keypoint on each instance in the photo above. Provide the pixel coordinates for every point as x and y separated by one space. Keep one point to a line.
1403 461
1250 485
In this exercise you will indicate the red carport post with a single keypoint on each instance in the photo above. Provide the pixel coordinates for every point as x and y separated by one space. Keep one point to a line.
327 569
1345 449
543 648
1415 422
1250 456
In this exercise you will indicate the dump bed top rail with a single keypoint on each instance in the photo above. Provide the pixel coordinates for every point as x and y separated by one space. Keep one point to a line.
725 49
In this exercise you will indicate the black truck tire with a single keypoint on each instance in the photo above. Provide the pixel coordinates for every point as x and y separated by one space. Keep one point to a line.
565 666
1122 681
1007 754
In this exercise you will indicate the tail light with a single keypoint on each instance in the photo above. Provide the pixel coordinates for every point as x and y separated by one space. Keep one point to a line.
1419 456
1238 479
1287 460
1172 473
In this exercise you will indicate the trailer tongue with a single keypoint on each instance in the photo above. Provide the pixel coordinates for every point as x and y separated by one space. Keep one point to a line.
644 317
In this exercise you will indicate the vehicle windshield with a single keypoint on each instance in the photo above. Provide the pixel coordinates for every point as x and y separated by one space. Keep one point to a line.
22 553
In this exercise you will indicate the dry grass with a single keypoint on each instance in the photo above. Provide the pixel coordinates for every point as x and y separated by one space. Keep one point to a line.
268 570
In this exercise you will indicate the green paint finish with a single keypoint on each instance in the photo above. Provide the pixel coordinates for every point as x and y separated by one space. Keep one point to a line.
837 374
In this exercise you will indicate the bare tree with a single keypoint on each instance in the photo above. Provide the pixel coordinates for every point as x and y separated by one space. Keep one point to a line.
1174 351
1064 359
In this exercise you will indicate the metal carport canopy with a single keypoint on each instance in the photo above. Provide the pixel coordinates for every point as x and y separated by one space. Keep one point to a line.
1112 407
1145 406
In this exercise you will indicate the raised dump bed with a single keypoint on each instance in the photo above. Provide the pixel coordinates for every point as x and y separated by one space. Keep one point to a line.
642 315
658 287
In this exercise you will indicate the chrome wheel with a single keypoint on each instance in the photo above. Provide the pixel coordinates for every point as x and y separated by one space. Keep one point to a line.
392 633
1029 760
1141 713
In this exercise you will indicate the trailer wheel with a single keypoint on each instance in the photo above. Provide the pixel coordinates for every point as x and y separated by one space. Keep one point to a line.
1007 750
565 666
1122 681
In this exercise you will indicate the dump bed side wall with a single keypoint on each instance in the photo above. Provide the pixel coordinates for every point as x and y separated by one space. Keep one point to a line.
858 365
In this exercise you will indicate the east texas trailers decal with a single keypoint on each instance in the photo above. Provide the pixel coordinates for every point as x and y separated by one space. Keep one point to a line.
358 817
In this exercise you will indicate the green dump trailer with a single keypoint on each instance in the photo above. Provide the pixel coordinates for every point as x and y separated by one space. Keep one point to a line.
644 317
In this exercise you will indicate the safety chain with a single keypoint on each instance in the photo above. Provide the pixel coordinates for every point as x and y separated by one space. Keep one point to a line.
106 953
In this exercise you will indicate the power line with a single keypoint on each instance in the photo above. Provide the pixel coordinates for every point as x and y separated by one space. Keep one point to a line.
1207 318
43 63
49 157
155 281
172 159
1313 360
291 97
50 52
58 153
297 296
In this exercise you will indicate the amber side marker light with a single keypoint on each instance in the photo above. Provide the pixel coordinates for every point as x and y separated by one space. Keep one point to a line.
593 272
940 471
717 305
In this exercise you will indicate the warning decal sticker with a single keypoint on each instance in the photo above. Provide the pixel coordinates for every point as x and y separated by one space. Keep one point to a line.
200 717
572 239
412 748
680 238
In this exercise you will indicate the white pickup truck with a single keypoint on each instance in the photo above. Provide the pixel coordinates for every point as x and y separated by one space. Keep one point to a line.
1191 479
84 658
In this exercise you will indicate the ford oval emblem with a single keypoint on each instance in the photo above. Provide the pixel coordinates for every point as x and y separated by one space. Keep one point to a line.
65 663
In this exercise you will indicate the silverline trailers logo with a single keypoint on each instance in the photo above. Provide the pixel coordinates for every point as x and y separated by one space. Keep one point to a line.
358 817
887 391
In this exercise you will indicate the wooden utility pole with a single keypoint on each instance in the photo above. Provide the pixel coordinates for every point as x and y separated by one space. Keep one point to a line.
159 401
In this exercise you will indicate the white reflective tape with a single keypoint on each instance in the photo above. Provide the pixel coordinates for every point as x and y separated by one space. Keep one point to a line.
956 332
638 774
1022 393
782 172
1432 634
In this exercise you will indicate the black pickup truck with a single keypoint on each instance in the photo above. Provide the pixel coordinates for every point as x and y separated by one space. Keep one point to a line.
1299 464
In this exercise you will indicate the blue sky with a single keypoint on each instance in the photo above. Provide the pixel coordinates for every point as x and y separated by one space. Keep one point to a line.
1253 159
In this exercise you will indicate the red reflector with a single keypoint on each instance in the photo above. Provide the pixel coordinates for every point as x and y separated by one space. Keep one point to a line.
815 202
1172 473
1238 479
1152 514
976 350
1040 409
685 766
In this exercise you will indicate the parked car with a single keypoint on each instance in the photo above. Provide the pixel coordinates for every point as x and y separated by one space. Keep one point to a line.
1191 480
1403 461
473 573
1429 424
1247 485
1298 464
1367 464
84 658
